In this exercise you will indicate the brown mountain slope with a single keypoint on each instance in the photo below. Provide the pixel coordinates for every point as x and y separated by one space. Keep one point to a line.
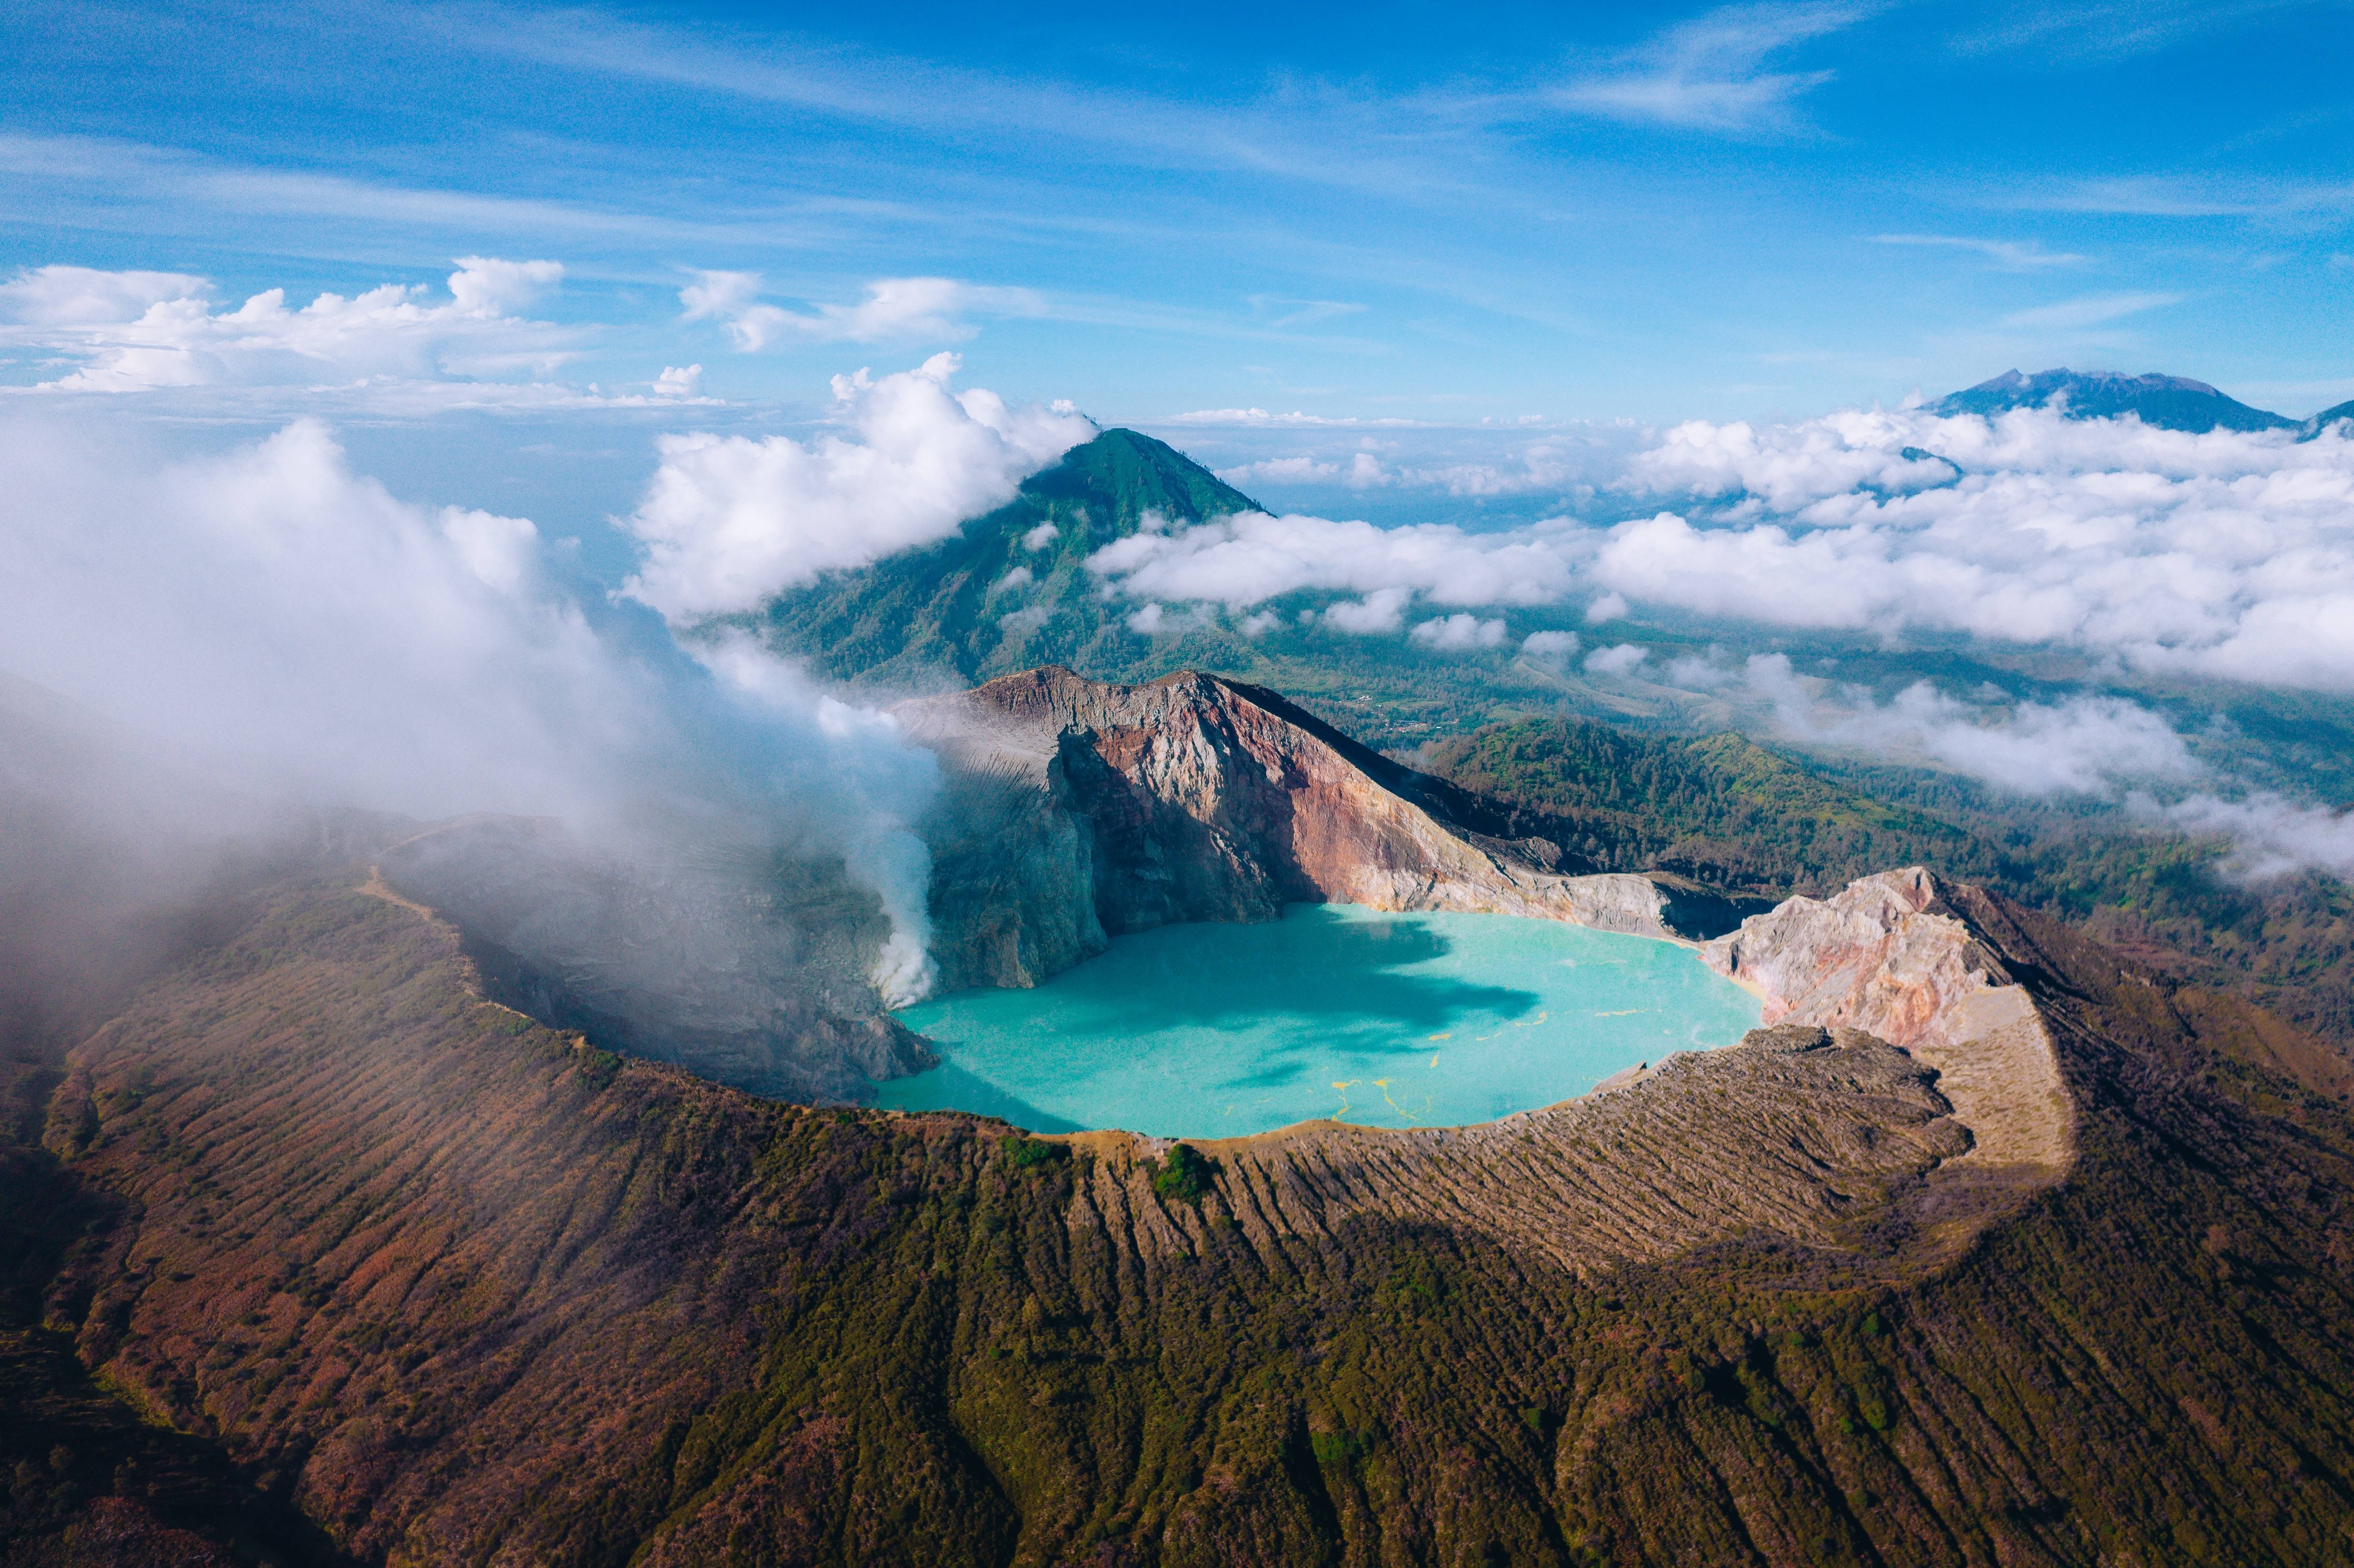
466 1290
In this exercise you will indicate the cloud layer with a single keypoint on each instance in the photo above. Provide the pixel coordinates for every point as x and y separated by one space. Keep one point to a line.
1242 560
2224 555
731 521
137 331
2087 745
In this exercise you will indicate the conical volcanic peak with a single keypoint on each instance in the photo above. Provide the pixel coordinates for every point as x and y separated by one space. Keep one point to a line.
2168 402
1010 589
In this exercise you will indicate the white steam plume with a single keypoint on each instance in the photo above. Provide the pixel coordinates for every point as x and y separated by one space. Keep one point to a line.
299 633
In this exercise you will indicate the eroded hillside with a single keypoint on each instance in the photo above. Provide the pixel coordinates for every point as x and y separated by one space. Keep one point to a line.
459 1287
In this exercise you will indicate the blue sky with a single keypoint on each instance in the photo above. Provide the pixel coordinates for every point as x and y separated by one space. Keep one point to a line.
1548 332
1411 212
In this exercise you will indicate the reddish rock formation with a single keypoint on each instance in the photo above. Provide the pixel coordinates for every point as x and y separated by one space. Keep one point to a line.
1205 800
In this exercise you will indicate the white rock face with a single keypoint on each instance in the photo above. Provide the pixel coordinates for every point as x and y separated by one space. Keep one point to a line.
1891 956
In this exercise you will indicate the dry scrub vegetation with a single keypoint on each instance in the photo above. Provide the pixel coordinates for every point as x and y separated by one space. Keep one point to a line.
438 1285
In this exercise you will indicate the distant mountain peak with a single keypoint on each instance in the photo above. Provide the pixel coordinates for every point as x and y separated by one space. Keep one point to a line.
1013 588
2166 402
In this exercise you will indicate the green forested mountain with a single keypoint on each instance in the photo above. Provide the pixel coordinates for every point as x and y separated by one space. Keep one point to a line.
1009 590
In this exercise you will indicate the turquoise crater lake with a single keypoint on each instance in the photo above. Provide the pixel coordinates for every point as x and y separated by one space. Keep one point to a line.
1216 1030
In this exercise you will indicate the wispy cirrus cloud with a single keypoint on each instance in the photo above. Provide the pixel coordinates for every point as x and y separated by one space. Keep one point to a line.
1284 314
2102 30
1712 73
2089 311
2157 196
2010 255
894 310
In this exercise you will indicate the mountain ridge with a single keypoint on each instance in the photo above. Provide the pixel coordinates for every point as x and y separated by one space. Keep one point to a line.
2166 402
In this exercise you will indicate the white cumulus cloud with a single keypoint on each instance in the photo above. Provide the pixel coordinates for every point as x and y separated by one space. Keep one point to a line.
2223 554
138 332
2227 554
2272 836
1459 633
1243 561
731 521
2084 744
1378 613
1622 659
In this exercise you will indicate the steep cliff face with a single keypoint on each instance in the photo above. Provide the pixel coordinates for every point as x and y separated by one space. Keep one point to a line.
1197 799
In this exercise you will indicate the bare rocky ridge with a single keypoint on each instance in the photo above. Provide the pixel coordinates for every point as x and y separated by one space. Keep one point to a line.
1080 809
1799 1133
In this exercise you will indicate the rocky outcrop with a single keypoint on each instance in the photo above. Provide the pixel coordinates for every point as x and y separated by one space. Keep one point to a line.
1194 798
1895 954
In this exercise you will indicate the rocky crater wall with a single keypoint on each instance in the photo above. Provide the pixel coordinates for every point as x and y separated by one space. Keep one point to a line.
1080 810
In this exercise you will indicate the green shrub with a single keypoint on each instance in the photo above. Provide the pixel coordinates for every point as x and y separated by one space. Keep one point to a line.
1186 1175
1336 1451
1027 1153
